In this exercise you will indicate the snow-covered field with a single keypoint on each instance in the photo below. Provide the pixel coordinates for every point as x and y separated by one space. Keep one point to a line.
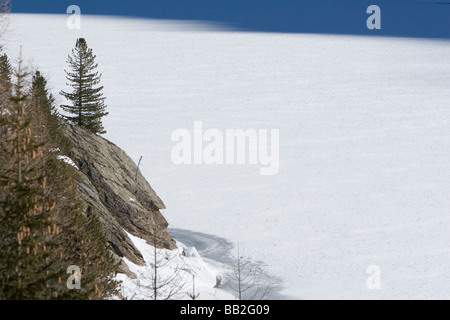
364 126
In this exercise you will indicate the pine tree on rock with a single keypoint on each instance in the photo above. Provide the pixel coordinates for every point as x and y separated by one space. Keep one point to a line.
88 104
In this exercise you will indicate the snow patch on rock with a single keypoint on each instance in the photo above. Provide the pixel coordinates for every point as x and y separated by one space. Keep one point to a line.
67 160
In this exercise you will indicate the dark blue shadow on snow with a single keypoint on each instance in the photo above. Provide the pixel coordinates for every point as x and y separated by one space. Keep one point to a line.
406 18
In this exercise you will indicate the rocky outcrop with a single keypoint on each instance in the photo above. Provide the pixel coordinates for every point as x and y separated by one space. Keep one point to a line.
111 184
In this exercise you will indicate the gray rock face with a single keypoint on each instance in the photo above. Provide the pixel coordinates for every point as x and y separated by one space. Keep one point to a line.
111 184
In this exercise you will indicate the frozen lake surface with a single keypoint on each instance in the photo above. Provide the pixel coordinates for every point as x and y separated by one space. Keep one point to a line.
364 128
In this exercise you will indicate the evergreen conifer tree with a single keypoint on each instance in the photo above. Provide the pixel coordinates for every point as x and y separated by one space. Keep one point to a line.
41 235
5 82
87 102
28 259
43 103
5 71
88 248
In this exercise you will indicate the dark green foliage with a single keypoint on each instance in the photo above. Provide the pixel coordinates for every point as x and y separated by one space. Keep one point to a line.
44 227
28 259
88 104
5 72
81 238
47 119
89 249
42 99
5 93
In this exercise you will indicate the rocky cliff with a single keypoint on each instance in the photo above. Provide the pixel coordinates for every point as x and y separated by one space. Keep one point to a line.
111 185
